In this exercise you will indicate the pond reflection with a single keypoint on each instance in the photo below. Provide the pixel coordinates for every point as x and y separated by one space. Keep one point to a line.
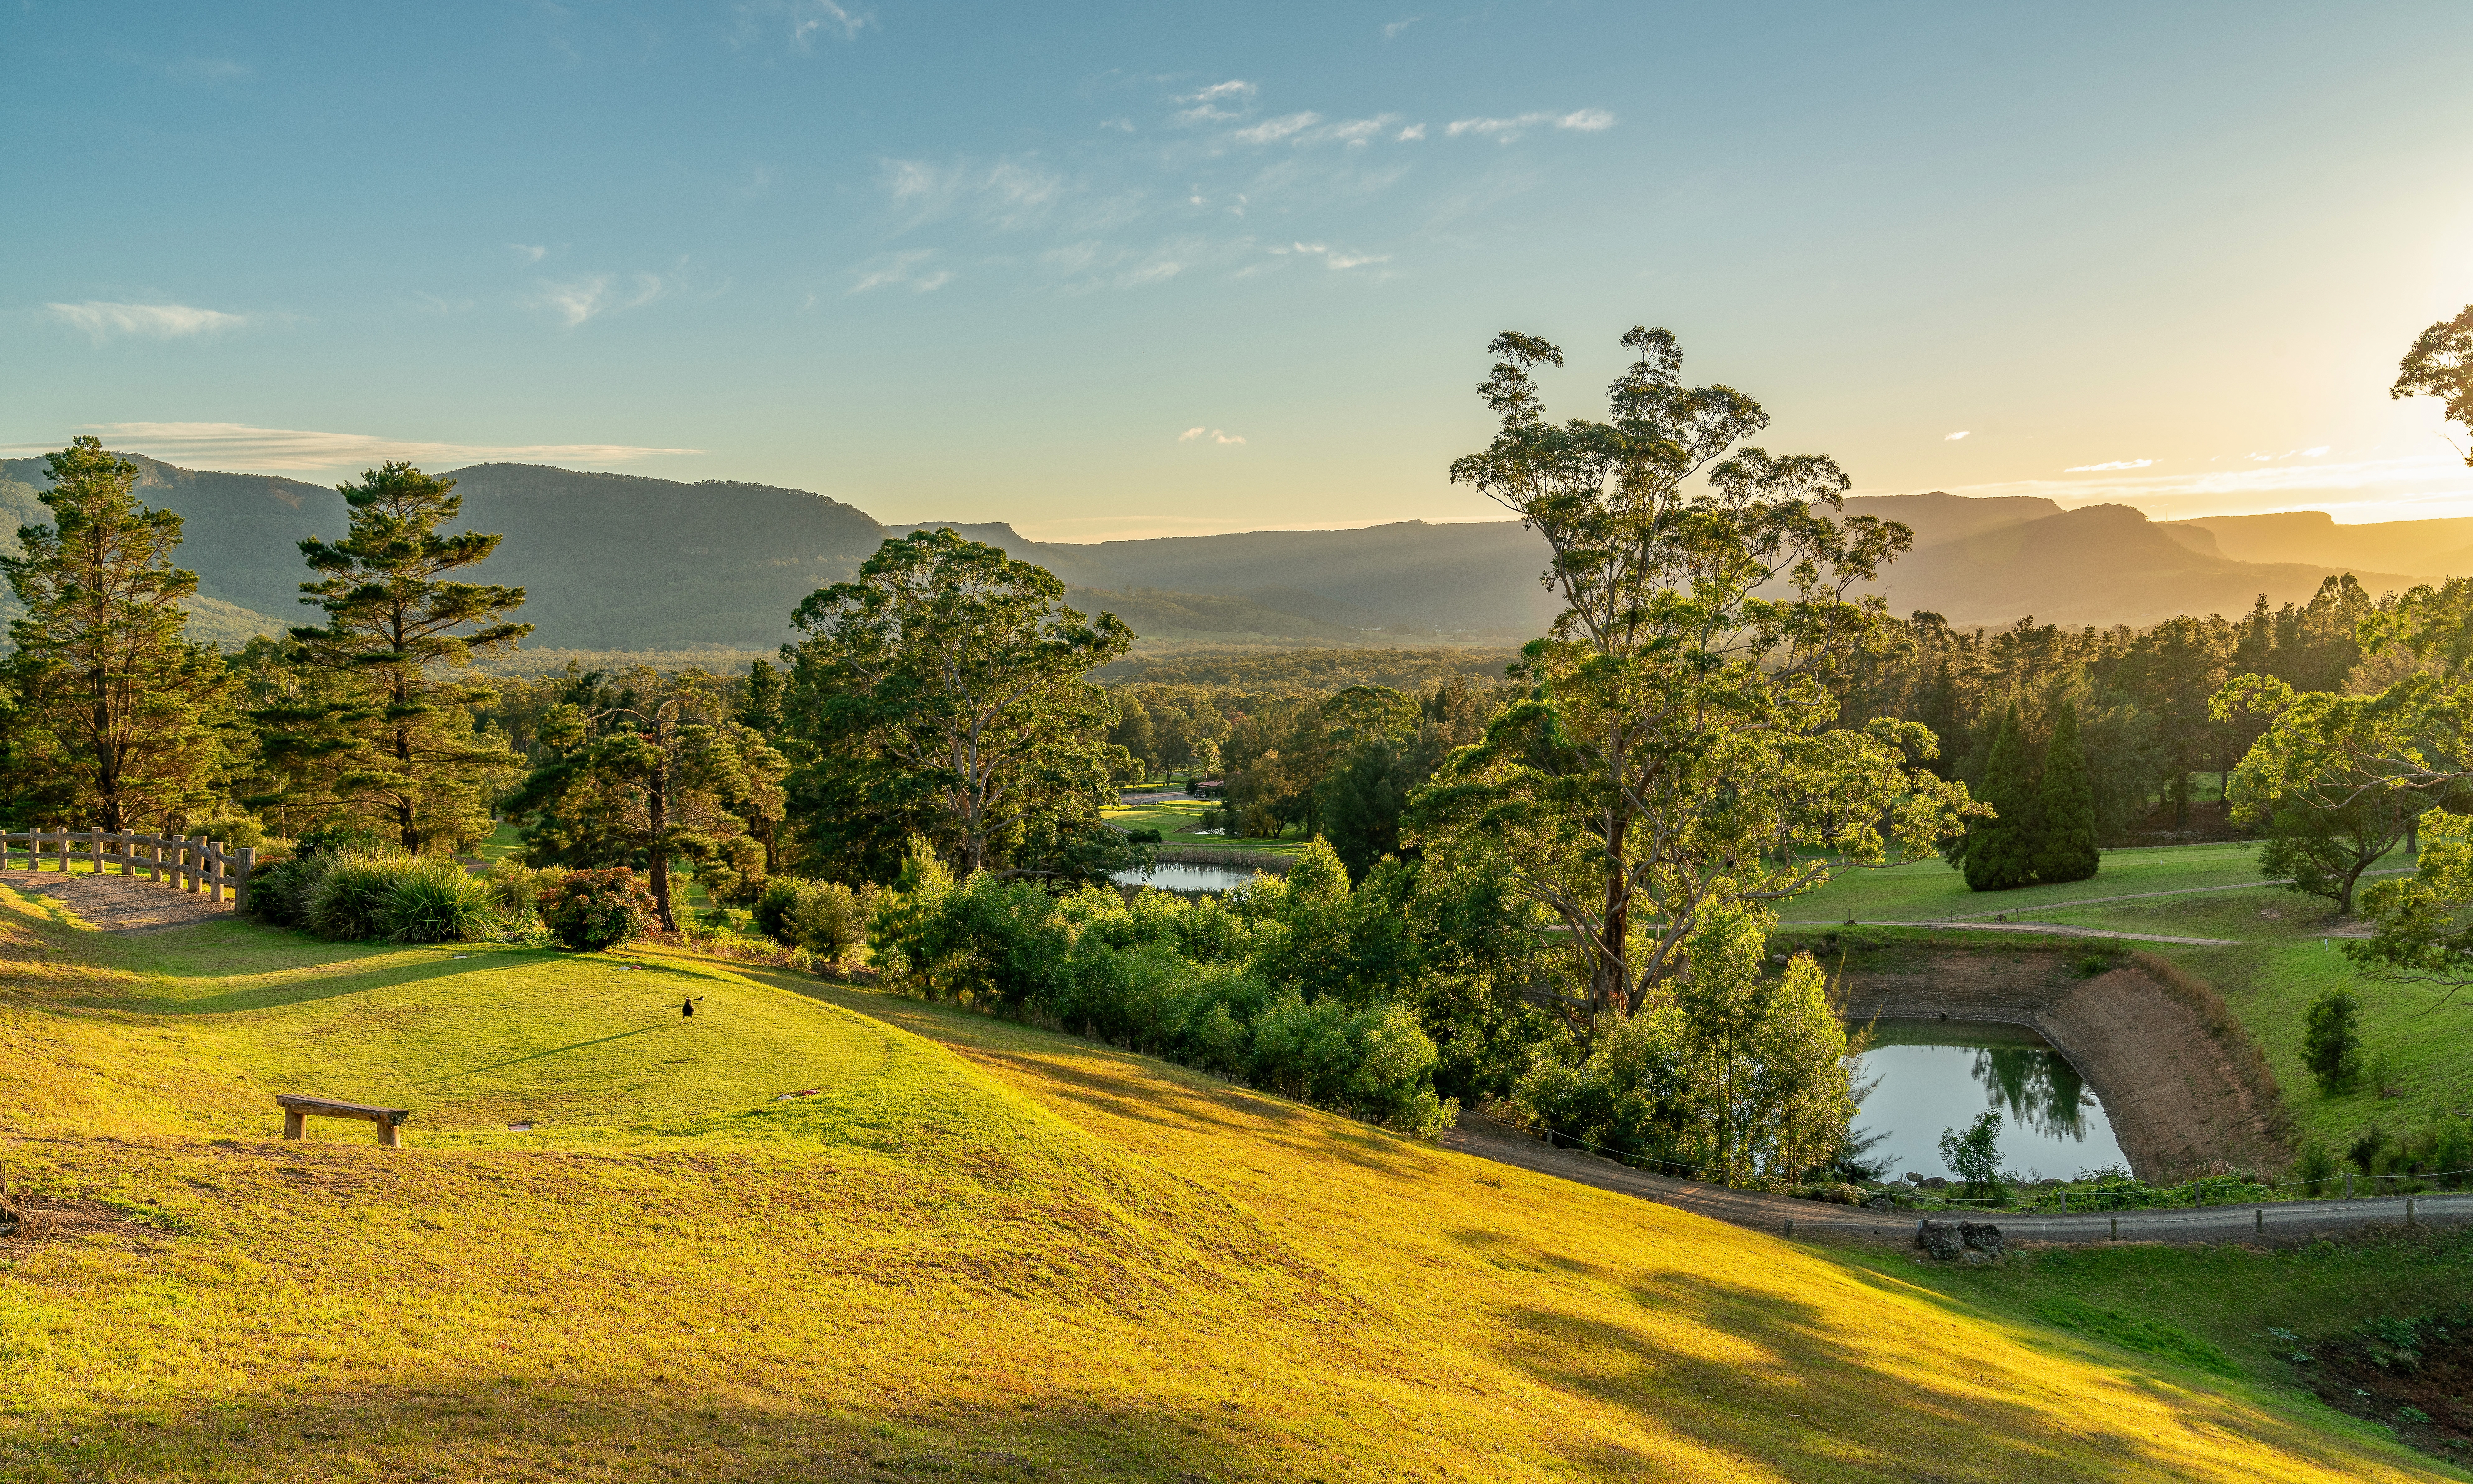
1940 1074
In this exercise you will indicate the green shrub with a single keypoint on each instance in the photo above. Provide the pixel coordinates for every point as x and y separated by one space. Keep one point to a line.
515 888
349 899
279 890
593 910
2387 1078
235 832
2316 1167
825 918
1974 1156
2330 1044
435 901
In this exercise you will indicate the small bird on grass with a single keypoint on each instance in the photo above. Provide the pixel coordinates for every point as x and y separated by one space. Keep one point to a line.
687 1007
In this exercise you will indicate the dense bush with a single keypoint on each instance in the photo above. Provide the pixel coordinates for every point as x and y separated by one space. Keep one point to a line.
2331 1043
593 910
825 917
356 893
1172 977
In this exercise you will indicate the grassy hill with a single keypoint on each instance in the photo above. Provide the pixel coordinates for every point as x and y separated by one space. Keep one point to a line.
979 1250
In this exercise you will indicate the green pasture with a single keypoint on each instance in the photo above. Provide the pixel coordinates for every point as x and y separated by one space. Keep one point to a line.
1177 823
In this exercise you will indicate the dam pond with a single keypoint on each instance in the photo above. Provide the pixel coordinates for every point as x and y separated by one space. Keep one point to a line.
1931 1075
1178 877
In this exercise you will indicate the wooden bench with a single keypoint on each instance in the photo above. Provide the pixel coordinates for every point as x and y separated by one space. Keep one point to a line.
298 1111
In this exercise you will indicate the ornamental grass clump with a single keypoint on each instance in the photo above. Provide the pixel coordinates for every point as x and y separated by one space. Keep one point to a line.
435 901
348 901
590 911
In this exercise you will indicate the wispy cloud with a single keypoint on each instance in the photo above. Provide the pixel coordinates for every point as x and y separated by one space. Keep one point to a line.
527 252
2289 453
1212 435
1412 132
1586 121
1951 437
1331 257
799 22
2085 469
1391 31
1008 194
1276 129
207 69
237 446
104 320
901 271
578 300
1220 102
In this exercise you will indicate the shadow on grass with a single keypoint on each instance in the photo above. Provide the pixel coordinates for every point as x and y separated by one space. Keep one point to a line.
575 1045
1816 1402
526 1425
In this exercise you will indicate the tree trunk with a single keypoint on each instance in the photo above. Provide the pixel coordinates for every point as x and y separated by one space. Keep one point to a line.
660 806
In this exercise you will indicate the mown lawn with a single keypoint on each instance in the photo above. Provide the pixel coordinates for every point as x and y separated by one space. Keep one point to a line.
1176 823
980 1251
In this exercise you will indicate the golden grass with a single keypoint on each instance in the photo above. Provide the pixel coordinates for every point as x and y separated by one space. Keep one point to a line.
986 1252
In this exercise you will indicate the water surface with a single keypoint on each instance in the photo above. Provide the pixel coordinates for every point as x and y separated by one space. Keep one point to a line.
1178 877
1940 1074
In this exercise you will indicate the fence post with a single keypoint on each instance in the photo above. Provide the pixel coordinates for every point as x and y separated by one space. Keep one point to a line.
2348 1186
127 840
155 859
2116 1229
214 871
2408 1210
248 860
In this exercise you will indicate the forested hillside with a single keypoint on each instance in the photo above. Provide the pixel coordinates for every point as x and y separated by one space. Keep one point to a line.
624 564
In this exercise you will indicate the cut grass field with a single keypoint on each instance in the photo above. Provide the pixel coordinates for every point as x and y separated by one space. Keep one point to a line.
2281 957
1175 821
980 1251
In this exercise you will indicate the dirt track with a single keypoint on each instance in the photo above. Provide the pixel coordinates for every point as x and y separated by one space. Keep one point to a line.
115 903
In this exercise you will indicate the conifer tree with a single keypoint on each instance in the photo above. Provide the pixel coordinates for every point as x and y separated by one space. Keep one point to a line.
388 735
117 714
2001 851
2066 850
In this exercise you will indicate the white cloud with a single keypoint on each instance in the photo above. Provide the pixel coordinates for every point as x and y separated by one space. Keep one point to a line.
1123 125
902 271
527 252
207 69
1205 106
1008 194
1214 435
1391 31
799 22
1272 130
1190 434
1587 121
104 319
2083 469
1331 258
1412 132
237 446
1952 436
577 300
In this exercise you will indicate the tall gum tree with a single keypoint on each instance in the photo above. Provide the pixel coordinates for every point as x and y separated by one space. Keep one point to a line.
945 688
119 712
1677 752
388 735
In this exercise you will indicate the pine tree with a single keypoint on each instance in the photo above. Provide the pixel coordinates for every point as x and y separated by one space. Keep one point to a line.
2065 802
117 714
2001 851
387 734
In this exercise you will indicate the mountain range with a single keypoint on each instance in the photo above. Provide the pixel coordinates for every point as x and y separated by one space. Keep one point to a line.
626 562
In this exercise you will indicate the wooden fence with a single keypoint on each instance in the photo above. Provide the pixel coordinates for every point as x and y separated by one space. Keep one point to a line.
193 862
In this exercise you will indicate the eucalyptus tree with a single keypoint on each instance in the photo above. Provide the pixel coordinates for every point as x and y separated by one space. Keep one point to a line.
674 779
2440 365
387 734
117 716
945 691
1676 753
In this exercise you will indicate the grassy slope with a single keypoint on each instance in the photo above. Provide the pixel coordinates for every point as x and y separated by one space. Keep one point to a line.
1034 1257
2278 964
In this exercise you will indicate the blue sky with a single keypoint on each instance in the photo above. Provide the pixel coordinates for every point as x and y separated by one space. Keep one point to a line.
1142 270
